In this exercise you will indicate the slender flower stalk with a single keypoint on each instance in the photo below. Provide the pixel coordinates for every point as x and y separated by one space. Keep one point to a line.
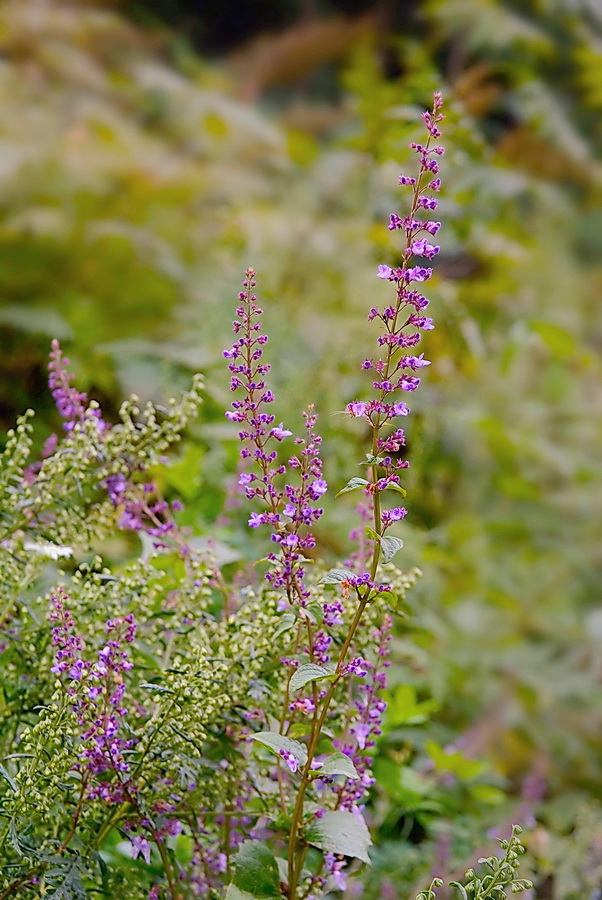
402 323
289 510
393 372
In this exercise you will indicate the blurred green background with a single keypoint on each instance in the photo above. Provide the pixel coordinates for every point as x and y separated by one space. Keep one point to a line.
150 151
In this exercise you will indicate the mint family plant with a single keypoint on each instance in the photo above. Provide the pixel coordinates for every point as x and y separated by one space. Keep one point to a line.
168 731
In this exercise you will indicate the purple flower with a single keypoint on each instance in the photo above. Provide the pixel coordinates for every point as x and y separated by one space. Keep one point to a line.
290 759
423 248
393 515
279 432
334 867
140 847
402 320
303 704
257 519
418 273
317 488
357 666
356 408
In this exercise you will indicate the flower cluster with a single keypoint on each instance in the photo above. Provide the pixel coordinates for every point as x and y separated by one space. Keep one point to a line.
403 321
143 509
98 691
289 510
366 724
71 403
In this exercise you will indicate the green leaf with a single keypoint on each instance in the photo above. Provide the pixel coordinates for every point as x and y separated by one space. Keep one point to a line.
396 487
354 484
338 764
561 342
287 622
405 709
277 742
234 893
488 793
157 688
5 774
304 674
390 546
337 576
256 871
453 762
314 612
339 831
391 599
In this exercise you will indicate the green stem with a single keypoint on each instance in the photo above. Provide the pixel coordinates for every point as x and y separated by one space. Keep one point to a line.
294 869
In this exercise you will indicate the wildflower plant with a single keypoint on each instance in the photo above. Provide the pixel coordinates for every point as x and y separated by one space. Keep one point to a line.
168 730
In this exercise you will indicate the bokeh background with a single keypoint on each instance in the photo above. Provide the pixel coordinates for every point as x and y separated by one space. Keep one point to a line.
150 151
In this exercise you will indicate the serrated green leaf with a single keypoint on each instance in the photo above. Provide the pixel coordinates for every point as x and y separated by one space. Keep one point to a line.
277 742
337 576
339 831
287 621
338 764
304 674
354 484
390 546
256 871
396 487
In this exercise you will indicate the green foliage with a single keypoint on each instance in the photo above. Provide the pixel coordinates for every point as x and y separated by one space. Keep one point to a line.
133 193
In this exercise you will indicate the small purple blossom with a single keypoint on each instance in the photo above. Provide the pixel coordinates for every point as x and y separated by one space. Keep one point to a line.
334 866
279 432
386 273
290 759
357 666
303 704
140 847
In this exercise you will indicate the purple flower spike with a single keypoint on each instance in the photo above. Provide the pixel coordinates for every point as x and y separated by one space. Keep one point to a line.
71 403
403 321
288 508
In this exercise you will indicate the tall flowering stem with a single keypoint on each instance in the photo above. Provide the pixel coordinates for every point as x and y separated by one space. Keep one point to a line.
290 511
402 324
